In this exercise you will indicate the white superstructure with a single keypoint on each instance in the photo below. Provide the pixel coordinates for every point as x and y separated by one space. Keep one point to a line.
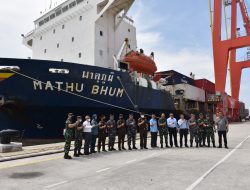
83 31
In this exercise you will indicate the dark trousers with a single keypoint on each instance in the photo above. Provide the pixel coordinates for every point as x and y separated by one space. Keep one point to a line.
143 138
183 132
173 133
93 142
121 138
224 134
87 143
101 141
153 139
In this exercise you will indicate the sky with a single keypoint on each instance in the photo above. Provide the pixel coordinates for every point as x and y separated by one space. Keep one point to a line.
177 31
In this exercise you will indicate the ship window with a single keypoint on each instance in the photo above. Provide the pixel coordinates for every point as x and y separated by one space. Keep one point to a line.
72 4
45 50
52 16
46 20
101 33
64 9
9 68
80 55
41 23
57 45
41 37
72 39
79 1
54 31
59 71
100 52
58 12
80 18
63 26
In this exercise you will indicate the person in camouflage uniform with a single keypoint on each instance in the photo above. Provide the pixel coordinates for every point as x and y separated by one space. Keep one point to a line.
209 130
111 129
202 134
68 135
143 128
162 123
193 130
131 130
121 130
78 137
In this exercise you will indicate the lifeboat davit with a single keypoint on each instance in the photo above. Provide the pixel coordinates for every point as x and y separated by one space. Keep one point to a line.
141 63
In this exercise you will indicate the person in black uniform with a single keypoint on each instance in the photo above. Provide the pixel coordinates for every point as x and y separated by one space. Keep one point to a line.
143 128
121 129
102 134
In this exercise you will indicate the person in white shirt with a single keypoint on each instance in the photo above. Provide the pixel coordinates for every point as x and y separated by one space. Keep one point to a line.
183 130
172 129
87 128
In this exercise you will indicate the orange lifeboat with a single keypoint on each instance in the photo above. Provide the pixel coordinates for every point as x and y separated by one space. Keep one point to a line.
141 63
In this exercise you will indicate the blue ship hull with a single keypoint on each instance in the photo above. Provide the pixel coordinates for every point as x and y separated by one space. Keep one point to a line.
37 101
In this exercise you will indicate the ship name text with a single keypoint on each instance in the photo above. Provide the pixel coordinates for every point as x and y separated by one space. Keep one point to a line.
78 88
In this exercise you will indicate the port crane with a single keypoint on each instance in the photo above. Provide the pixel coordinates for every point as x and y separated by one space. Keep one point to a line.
225 50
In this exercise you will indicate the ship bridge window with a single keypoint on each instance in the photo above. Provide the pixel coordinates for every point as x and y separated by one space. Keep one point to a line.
52 16
79 1
64 9
58 12
58 71
41 23
46 20
101 33
71 5
9 68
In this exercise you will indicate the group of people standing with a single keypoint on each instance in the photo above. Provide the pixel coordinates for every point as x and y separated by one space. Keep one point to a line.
201 132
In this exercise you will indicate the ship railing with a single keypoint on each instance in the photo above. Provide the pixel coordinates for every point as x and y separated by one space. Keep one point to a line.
28 34
2 101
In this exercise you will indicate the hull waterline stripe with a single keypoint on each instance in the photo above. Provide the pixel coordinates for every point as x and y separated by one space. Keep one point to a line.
78 95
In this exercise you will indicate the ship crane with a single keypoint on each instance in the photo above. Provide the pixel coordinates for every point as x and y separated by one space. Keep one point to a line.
225 50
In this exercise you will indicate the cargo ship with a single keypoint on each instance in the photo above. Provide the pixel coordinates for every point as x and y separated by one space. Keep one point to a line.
85 61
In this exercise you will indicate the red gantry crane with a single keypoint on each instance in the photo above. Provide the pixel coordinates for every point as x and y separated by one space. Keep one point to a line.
225 50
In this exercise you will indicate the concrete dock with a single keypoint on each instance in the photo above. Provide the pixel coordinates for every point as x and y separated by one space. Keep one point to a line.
176 168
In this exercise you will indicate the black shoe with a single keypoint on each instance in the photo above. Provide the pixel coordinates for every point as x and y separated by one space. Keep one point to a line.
186 146
113 149
220 146
120 149
129 148
104 150
66 156
191 145
79 153
76 155
167 146
124 148
141 148
197 145
135 148
162 146
99 151
145 148
176 146
226 146
214 145
208 145
86 153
